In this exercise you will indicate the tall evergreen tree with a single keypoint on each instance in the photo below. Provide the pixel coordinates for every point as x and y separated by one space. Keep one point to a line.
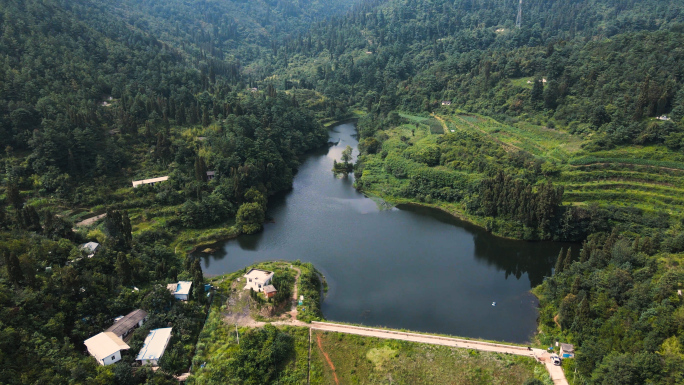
559 262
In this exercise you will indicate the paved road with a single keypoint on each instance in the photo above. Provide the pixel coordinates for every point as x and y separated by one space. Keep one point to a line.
539 354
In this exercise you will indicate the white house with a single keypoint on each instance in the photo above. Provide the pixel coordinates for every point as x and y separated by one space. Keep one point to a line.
154 346
90 248
152 181
106 348
180 290
446 102
257 279
663 117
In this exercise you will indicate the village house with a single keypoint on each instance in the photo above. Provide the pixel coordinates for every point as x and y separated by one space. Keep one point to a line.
257 279
210 175
270 291
180 290
567 351
663 117
446 102
152 181
106 347
124 326
154 346
90 248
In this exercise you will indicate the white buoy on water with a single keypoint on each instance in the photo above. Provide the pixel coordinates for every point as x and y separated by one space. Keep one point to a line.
493 303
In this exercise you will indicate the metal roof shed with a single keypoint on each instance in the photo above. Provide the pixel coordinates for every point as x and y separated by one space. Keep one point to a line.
128 323
154 346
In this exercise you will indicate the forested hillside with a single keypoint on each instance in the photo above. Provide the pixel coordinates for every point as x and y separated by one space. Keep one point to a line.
88 103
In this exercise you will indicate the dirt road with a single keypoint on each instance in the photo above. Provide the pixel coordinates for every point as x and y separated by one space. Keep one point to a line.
90 220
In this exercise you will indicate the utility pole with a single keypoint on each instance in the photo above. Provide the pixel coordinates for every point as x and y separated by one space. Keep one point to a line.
518 21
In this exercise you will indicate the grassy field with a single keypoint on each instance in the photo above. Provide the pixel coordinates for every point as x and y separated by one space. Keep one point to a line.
367 360
538 140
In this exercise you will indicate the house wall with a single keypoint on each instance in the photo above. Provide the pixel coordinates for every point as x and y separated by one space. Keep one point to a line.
257 286
182 297
116 357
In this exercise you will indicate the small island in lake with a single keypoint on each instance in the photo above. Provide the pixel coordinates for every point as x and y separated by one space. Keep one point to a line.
345 166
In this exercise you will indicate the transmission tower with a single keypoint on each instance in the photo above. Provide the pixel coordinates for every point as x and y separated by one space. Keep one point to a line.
518 21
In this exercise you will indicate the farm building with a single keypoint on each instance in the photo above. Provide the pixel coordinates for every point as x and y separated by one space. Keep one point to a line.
567 351
154 346
257 279
106 348
127 324
270 291
180 290
152 181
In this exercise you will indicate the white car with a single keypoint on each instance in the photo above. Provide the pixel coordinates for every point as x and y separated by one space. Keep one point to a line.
555 359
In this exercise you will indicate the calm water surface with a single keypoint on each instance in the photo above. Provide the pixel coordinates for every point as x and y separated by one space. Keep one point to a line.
407 267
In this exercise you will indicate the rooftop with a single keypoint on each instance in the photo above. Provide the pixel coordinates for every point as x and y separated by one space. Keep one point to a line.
90 246
270 289
259 275
146 181
182 287
128 322
568 347
155 344
105 344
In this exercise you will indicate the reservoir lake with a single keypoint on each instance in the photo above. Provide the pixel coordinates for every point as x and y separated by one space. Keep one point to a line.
408 267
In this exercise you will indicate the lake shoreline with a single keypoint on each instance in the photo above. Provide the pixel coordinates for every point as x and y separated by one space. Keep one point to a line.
455 214
457 255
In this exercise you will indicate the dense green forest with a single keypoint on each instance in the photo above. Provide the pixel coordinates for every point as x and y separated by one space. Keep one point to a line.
568 128
89 103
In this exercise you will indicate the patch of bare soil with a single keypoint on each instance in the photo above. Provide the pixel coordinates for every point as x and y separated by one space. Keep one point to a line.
327 358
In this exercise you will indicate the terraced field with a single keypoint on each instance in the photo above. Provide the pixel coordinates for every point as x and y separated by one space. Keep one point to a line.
541 141
648 180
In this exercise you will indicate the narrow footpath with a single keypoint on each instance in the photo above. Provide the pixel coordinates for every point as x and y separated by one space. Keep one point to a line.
540 355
